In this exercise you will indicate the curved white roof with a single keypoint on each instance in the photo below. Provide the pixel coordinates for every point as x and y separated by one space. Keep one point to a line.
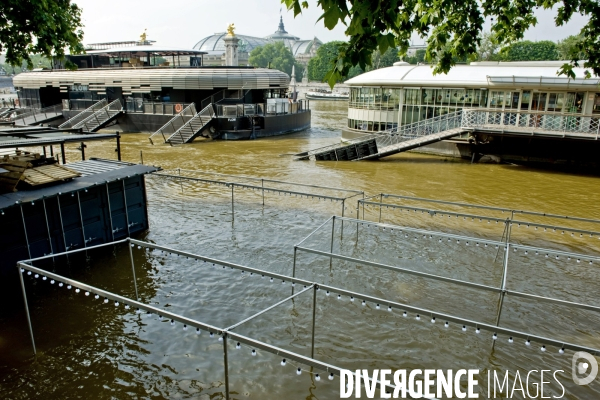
144 80
534 74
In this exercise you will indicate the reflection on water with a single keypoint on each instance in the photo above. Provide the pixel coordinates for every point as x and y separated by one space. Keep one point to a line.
88 349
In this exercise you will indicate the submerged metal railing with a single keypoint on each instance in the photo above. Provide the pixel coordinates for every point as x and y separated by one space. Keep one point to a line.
264 186
382 202
460 240
227 333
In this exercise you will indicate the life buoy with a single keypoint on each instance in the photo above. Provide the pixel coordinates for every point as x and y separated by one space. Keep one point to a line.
178 108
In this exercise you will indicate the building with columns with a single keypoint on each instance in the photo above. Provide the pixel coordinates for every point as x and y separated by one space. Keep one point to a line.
214 46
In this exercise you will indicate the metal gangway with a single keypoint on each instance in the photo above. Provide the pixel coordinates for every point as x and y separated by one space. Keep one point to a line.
498 122
392 141
36 116
194 127
175 123
96 116
189 124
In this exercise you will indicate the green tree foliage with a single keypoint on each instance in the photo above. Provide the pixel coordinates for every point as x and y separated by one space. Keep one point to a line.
488 49
419 57
453 29
275 55
530 51
568 48
44 27
319 65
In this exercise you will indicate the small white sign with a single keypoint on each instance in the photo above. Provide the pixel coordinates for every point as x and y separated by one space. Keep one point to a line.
79 88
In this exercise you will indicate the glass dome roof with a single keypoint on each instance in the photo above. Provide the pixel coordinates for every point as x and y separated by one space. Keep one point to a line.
215 42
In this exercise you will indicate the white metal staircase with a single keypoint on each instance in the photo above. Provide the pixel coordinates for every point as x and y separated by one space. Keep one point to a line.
101 117
194 127
390 142
173 125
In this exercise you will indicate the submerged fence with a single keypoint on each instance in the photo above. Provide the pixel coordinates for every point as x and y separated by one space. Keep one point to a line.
500 288
227 333
264 186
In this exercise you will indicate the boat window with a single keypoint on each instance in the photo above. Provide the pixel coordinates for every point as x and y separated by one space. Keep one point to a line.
556 102
512 101
497 99
596 107
538 102
525 99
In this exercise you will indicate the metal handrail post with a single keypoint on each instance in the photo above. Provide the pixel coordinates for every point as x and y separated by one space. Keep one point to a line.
130 245
225 366
314 312
332 233
232 209
27 309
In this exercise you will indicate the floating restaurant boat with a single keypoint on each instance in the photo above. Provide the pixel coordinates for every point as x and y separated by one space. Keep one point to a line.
320 94
166 92
519 112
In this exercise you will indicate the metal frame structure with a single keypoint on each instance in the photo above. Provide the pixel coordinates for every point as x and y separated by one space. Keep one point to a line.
507 222
227 333
233 181
502 289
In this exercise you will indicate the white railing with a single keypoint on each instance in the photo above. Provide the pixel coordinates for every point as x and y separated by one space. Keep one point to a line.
533 122
37 115
204 116
100 116
173 125
84 114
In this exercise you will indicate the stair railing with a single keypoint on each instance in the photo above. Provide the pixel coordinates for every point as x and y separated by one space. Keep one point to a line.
84 114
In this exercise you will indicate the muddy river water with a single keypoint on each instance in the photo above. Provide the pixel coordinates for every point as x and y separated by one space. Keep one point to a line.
90 350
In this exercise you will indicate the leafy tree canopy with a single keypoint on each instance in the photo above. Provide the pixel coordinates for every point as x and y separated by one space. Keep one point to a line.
530 51
44 27
568 48
275 55
453 29
319 65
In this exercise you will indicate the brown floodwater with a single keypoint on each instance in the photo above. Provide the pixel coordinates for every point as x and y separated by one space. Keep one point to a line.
89 349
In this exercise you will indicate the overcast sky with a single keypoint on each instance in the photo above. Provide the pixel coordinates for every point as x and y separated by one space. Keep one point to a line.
182 23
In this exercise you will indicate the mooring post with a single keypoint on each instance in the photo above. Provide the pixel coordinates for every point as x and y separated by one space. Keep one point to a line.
119 146
82 151
332 233
226 367
26 308
130 245
312 346
62 151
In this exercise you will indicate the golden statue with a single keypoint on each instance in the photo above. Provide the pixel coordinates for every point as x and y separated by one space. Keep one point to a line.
230 29
143 36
